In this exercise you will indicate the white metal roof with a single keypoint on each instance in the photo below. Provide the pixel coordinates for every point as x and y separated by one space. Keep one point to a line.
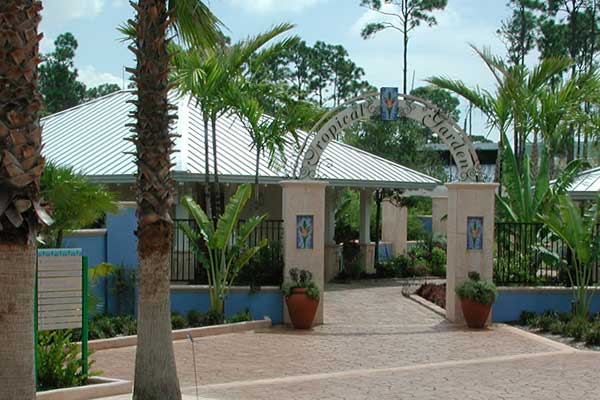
90 138
586 186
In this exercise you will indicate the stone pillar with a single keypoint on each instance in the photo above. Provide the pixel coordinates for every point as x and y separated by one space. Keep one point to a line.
439 214
394 226
367 249
304 198
332 256
466 201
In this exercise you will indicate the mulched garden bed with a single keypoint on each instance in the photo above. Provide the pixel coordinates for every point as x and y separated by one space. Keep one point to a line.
435 293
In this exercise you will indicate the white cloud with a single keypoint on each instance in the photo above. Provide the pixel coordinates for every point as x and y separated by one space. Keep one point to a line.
89 75
60 11
57 13
273 6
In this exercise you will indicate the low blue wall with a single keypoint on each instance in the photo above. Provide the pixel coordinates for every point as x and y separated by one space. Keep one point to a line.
512 301
117 244
266 302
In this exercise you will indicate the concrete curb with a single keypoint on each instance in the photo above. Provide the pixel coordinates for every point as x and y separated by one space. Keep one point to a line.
182 334
538 338
97 387
427 304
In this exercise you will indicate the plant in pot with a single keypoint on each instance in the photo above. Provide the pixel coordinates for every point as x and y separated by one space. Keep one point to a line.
477 297
301 297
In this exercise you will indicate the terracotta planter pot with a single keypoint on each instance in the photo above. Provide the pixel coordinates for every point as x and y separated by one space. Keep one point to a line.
476 314
302 309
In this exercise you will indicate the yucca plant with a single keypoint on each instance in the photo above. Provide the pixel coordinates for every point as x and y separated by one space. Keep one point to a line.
21 215
226 250
566 222
191 22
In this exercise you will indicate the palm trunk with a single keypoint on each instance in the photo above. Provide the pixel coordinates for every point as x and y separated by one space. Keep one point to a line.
256 183
405 57
155 370
155 373
534 157
20 212
17 271
207 201
498 171
217 188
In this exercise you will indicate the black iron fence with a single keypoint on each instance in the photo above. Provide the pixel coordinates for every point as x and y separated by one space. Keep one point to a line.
519 261
265 268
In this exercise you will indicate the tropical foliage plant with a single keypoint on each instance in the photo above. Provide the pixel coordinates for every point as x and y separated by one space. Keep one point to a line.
223 251
301 278
579 233
59 364
526 196
75 202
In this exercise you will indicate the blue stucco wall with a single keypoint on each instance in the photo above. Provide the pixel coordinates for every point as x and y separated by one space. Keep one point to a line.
427 223
93 247
267 303
511 302
121 239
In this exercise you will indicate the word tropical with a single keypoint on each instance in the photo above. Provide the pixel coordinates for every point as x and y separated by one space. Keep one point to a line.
411 107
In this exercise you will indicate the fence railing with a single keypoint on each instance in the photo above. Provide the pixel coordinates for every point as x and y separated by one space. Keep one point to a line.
266 268
517 262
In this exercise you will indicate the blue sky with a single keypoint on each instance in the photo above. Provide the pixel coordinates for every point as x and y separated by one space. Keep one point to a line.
440 50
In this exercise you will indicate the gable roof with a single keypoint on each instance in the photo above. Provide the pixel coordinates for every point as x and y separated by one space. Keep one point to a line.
91 138
586 185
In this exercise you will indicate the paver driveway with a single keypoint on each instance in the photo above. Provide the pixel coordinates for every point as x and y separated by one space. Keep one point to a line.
376 344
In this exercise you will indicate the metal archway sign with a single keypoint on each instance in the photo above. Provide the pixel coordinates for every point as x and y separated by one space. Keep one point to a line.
417 109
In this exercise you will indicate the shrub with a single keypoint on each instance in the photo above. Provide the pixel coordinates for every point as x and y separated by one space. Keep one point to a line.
556 328
577 328
592 336
385 270
58 363
178 321
196 318
397 267
240 317
526 318
545 321
420 268
438 261
477 290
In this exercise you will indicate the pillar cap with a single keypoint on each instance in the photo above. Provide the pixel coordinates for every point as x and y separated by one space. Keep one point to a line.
303 182
472 186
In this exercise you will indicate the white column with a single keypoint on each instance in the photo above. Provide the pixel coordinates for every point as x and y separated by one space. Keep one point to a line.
330 207
366 198
304 197
467 200
394 226
332 260
439 214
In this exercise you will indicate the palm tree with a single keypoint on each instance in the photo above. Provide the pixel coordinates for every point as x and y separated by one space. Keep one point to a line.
74 200
517 91
20 212
193 23
207 74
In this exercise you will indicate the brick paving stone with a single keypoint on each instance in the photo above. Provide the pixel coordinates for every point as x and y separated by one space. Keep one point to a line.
368 327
